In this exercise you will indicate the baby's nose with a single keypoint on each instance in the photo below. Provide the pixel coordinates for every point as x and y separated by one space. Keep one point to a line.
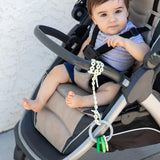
112 18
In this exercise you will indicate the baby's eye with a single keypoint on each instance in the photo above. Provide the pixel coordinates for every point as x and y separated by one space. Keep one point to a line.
118 11
103 15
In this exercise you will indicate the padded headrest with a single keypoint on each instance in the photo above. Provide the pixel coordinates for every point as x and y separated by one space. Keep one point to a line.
140 11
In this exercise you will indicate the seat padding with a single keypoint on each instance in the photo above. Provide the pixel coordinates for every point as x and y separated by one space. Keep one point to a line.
140 14
57 121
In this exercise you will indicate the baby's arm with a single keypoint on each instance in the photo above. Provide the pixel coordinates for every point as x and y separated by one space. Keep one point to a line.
85 43
137 50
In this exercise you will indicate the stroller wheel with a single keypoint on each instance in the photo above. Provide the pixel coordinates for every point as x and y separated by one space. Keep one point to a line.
19 155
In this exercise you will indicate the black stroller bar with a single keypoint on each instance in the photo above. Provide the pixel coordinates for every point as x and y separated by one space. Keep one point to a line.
55 33
41 33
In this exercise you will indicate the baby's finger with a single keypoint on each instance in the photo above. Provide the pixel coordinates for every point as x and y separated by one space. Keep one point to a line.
113 43
108 40
105 40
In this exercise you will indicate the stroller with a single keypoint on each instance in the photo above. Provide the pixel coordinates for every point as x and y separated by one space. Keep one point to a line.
133 114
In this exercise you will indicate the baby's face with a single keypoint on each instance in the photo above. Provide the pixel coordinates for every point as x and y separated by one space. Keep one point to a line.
111 16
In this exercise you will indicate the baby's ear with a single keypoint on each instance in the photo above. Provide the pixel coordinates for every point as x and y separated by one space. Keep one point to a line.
93 19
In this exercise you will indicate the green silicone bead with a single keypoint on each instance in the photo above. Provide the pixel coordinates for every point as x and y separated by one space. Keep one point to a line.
103 145
98 145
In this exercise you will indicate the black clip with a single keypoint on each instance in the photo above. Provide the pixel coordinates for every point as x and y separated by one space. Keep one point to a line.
90 53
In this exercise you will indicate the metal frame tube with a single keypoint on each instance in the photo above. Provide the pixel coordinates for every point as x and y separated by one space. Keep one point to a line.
152 105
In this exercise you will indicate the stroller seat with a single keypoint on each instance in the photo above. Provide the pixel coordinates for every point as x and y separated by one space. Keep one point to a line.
129 113
57 111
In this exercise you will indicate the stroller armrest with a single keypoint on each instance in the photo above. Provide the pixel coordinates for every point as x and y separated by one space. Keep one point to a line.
152 59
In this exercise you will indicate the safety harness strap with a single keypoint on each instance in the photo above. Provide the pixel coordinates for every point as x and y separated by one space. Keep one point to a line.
152 16
132 32
94 36
90 53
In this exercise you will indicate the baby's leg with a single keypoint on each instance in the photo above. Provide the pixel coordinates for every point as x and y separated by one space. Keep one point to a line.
104 95
107 92
56 76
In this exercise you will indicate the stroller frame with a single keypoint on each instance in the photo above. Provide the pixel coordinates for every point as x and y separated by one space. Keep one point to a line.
148 100
132 90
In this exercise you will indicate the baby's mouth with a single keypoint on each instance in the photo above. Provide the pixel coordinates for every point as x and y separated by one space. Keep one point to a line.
113 26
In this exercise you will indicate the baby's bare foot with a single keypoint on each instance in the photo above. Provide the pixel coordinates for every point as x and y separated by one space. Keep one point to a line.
73 100
34 105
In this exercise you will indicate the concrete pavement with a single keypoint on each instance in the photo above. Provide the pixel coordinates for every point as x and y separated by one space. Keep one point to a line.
7 145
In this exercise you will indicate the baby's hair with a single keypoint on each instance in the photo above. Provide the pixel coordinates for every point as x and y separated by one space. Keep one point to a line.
94 3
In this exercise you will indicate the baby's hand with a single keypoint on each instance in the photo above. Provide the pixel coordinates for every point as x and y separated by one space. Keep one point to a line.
115 41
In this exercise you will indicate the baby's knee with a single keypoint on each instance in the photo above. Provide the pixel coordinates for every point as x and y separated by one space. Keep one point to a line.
114 86
109 87
60 74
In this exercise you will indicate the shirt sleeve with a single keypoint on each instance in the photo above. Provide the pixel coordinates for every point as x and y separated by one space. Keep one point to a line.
138 39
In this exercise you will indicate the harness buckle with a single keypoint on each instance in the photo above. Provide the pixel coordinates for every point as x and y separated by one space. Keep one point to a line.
90 53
